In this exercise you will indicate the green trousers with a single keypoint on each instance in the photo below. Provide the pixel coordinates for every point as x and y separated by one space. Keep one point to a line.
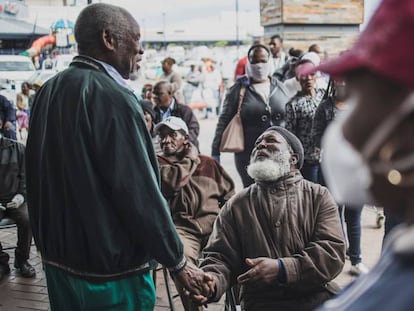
67 293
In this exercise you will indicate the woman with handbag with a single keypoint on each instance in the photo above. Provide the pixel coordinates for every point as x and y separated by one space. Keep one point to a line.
255 102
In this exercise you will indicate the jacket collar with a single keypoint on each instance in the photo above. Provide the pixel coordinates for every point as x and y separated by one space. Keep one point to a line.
102 66
88 61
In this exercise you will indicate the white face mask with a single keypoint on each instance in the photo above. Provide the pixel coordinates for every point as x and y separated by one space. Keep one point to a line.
347 176
346 170
259 71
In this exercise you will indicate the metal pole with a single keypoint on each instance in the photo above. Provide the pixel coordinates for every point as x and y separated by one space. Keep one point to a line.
237 28
163 30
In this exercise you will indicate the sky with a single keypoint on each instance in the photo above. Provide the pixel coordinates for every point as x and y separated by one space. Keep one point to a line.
151 12
154 14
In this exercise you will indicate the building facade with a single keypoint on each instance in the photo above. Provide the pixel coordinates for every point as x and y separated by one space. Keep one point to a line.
333 24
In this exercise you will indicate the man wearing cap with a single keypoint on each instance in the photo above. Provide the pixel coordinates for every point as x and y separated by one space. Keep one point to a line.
280 238
299 116
167 105
195 187
368 155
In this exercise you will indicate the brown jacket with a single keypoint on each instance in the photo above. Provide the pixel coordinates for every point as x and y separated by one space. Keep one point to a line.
292 219
195 187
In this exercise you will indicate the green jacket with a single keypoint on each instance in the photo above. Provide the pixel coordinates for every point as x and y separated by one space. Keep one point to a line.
93 185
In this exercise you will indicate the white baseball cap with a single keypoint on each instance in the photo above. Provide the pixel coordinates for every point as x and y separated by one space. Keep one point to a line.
173 123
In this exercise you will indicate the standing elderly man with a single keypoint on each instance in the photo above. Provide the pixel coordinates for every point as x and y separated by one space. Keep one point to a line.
96 209
167 105
368 155
280 238
196 187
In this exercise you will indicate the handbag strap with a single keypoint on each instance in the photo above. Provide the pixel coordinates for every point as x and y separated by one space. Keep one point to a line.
241 97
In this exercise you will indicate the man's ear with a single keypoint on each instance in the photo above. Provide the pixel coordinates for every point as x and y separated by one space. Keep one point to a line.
187 139
108 40
294 160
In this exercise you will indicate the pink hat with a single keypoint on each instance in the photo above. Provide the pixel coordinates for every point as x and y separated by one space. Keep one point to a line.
386 47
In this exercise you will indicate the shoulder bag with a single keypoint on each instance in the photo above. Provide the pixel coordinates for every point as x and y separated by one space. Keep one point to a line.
232 139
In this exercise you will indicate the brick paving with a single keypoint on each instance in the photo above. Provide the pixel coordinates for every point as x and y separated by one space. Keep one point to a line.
17 293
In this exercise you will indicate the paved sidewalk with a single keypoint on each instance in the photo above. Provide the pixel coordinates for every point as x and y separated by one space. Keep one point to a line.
17 293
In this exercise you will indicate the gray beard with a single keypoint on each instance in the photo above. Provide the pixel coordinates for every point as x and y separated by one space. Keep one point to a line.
270 169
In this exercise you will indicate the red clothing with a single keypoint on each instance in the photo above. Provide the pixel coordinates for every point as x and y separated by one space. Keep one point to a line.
240 68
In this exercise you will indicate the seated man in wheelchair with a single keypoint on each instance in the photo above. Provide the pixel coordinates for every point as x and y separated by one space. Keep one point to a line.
195 186
13 205
280 239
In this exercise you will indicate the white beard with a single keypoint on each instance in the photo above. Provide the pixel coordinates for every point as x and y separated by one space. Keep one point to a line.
270 169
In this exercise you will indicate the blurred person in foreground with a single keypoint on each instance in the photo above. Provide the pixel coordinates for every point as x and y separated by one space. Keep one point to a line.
368 155
263 105
97 212
280 238
195 186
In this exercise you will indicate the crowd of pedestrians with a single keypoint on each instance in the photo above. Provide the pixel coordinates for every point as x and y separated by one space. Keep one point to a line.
120 186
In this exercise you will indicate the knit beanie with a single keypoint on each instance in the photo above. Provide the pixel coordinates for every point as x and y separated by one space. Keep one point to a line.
292 140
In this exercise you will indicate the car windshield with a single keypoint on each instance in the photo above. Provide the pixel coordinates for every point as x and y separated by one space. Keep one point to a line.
16 66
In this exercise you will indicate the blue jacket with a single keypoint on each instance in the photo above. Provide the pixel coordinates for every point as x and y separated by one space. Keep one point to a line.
389 285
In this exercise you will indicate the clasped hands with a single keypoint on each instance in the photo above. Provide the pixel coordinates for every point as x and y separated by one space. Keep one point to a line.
17 200
201 286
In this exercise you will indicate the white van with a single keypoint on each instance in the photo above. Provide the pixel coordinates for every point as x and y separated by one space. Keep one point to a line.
14 70
16 67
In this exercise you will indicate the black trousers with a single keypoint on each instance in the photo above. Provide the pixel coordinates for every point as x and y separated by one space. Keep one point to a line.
24 234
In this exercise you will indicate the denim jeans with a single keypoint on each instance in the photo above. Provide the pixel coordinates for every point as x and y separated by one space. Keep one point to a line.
351 216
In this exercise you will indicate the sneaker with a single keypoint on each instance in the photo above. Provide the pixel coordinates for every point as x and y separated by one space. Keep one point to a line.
4 270
25 269
358 269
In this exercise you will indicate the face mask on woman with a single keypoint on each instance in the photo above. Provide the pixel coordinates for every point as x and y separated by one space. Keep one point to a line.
258 72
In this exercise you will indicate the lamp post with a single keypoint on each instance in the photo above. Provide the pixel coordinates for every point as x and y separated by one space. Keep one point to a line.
237 28
163 30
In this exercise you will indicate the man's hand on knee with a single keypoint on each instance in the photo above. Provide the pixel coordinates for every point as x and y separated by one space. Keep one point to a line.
17 200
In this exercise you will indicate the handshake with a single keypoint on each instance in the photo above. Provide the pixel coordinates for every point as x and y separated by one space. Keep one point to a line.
17 200
197 284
